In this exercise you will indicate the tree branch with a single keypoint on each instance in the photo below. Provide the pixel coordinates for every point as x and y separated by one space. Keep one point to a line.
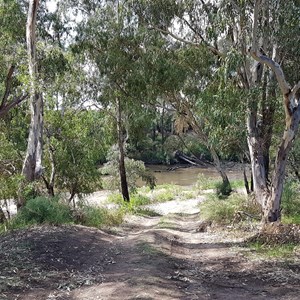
260 56
5 109
255 26
295 89
7 85
178 38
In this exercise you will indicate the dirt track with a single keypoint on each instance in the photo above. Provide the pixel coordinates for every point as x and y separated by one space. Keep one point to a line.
147 258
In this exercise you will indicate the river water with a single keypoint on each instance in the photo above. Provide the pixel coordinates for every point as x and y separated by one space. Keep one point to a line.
188 176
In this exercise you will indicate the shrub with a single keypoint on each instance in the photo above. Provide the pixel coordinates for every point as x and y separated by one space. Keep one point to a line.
223 189
291 203
136 200
164 196
98 216
43 210
224 211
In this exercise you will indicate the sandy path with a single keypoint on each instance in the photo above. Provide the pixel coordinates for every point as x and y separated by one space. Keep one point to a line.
161 258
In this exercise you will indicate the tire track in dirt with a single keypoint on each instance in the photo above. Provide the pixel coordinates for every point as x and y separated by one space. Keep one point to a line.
169 257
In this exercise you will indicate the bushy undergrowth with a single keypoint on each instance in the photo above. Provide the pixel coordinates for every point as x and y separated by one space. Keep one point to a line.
43 210
276 251
162 193
93 216
291 203
221 189
205 183
229 210
134 205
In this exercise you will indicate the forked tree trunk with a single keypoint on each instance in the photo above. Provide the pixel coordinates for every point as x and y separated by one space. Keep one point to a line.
270 195
122 169
32 167
272 205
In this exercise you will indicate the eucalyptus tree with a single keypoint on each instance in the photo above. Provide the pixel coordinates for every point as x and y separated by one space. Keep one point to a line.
32 167
271 194
195 67
225 29
13 90
76 145
115 46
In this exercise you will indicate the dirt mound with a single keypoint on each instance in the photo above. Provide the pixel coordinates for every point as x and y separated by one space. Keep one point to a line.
55 258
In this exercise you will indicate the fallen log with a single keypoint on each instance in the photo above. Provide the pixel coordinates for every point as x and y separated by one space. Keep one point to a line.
190 160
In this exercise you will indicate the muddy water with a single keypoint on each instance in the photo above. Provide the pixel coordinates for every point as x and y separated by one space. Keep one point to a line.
188 176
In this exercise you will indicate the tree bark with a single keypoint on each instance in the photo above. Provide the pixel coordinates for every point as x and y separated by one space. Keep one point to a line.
270 196
122 169
273 202
32 167
218 166
50 182
2 216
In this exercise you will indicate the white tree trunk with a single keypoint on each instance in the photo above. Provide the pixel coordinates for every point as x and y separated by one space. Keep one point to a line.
269 195
32 167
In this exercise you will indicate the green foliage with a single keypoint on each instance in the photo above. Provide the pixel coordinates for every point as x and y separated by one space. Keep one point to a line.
291 203
134 206
164 195
223 189
224 211
237 183
166 192
134 170
205 183
42 210
75 144
99 217
10 161
276 251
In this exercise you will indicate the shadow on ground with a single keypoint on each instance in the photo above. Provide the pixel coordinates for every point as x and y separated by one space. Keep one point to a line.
147 261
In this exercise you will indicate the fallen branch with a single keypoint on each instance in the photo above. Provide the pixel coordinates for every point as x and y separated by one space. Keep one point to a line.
241 213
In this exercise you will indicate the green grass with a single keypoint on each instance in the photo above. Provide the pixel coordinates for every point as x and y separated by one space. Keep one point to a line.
100 217
166 192
291 203
205 183
135 205
147 212
290 219
43 210
188 195
164 196
162 193
275 251
224 211
148 249
238 183
208 183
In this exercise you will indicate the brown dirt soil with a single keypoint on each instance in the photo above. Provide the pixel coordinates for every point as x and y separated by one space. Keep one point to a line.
170 257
